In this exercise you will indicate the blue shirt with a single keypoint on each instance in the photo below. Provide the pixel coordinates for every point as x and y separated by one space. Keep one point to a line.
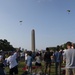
57 56
29 61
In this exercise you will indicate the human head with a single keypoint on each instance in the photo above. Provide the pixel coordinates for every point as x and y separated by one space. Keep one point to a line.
29 53
47 49
69 45
37 54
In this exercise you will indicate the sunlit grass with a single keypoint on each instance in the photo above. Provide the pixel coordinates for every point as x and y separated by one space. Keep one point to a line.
22 64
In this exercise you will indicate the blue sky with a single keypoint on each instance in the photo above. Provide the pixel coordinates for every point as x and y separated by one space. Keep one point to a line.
52 23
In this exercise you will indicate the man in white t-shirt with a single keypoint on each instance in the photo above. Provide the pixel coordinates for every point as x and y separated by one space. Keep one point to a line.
13 65
69 57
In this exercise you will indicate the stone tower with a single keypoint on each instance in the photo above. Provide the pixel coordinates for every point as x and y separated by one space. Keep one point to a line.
33 40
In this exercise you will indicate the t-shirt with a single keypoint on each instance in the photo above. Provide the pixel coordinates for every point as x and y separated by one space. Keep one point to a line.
57 56
38 60
25 56
12 61
69 55
47 57
15 54
29 61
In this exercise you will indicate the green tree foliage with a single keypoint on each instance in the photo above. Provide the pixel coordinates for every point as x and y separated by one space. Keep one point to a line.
5 45
59 47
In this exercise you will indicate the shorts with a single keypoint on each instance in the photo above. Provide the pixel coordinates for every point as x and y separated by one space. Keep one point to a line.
37 64
13 70
48 63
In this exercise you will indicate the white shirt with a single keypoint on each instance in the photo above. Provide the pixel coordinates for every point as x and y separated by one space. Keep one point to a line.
69 55
25 56
15 54
38 60
12 61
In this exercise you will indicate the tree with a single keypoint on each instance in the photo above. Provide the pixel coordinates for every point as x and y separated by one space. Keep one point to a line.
5 45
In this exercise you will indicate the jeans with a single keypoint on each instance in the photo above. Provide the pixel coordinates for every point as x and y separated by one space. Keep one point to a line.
58 68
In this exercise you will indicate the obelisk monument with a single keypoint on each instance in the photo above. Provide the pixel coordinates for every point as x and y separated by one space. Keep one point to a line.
33 40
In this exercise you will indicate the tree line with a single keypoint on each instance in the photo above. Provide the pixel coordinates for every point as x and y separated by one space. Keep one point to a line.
60 47
5 45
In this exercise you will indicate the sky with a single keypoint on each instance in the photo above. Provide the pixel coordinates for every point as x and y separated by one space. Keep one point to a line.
52 23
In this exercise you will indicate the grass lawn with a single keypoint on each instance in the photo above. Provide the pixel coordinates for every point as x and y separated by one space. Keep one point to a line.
22 64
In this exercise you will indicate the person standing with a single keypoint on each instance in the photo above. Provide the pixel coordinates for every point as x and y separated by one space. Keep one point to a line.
38 62
1 66
25 57
29 62
57 58
13 65
47 59
69 57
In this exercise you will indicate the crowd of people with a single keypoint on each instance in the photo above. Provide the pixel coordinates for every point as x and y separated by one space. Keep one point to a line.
48 57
